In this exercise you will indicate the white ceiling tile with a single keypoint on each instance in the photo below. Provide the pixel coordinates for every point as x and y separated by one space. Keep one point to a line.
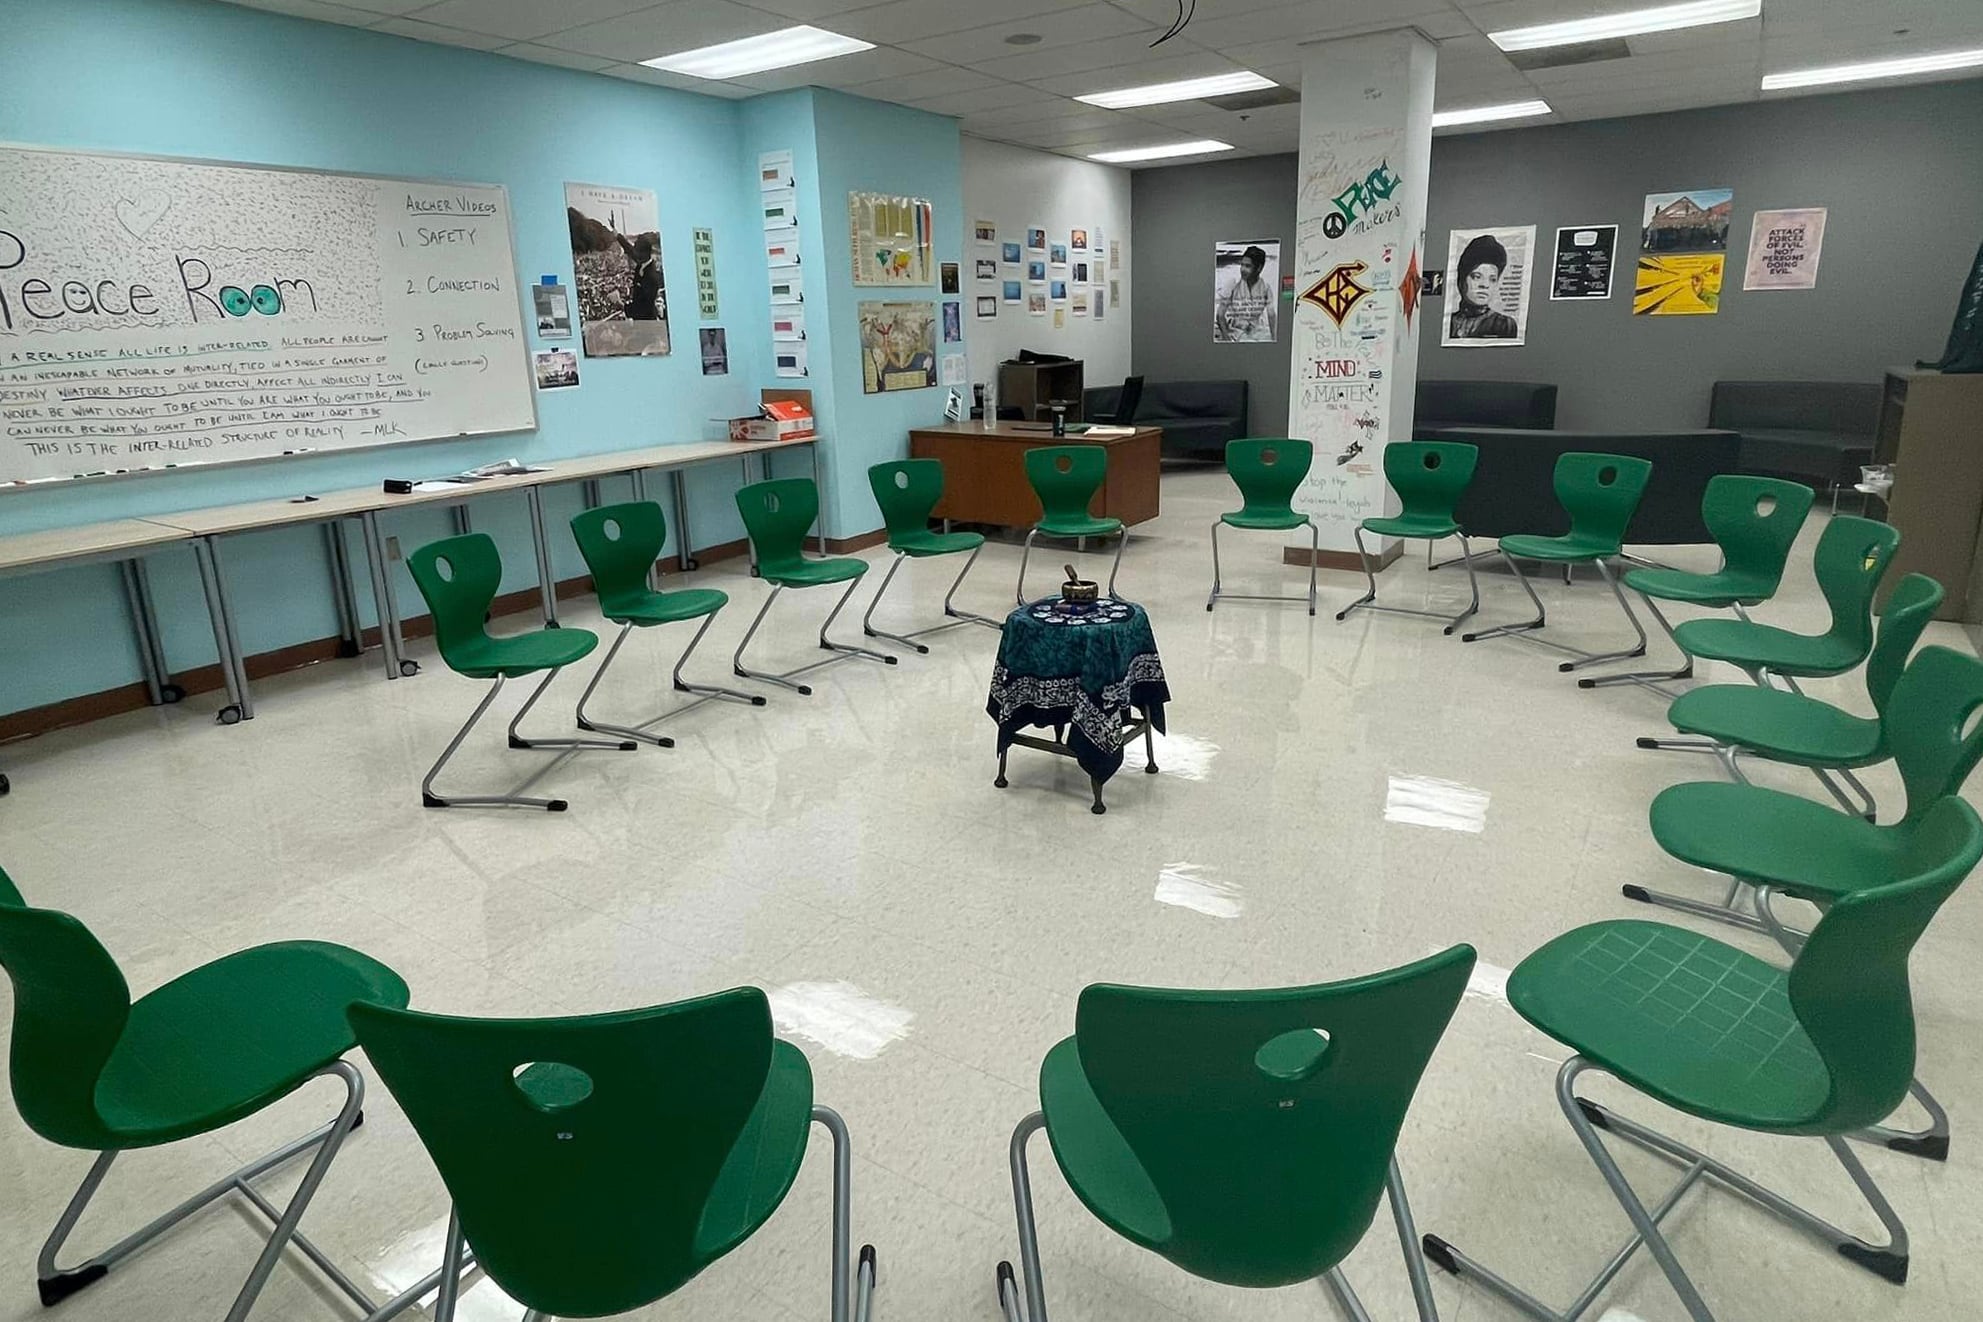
1061 28
945 80
563 59
385 7
666 30
434 32
854 70
681 82
996 96
809 11
522 20
323 13
906 22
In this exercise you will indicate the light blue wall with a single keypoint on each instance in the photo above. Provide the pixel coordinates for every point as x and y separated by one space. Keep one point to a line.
195 78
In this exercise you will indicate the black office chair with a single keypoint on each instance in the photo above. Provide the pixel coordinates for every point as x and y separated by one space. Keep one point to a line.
1126 401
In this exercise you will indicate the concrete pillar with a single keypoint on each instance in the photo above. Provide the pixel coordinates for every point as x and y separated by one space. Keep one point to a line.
1366 147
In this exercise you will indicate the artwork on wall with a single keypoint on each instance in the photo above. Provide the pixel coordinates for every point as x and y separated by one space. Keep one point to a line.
1081 303
1036 302
1079 273
1036 238
1036 271
987 269
1584 259
1010 289
1784 248
715 343
985 232
898 346
892 239
1492 270
988 307
1057 254
705 272
553 308
1245 275
555 369
1683 252
953 323
1009 252
616 264
1059 290
947 277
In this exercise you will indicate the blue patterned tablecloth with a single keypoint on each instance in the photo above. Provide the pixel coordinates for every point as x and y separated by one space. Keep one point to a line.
1079 666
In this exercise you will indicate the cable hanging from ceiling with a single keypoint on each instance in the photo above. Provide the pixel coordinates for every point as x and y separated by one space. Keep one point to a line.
1185 10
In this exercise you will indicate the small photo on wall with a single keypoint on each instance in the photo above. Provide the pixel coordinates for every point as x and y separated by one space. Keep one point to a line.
1057 254
1010 252
715 345
1492 270
1246 273
947 277
1060 291
1011 292
1036 270
988 307
556 369
984 231
953 323
987 269
552 305
1078 240
1080 273
1036 238
1036 303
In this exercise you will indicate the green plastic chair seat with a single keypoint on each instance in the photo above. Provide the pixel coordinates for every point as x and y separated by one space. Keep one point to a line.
1078 525
1798 844
1722 589
1691 1022
665 607
1765 647
1572 548
1273 521
811 573
219 1043
1097 1160
524 654
922 542
1412 525
1782 726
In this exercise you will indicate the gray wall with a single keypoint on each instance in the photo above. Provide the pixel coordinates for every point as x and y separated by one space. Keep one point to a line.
1901 171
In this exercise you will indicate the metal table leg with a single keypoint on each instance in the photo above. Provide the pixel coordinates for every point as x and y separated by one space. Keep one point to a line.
159 687
822 490
547 588
684 547
233 673
351 637
390 642
639 476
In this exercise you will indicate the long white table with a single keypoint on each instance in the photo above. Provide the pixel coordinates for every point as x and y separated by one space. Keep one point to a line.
128 540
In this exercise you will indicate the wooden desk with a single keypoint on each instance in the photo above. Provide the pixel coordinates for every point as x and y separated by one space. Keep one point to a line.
984 472
1929 432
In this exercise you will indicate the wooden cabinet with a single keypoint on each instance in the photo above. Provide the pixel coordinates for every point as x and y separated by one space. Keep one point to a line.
984 472
1033 388
1931 431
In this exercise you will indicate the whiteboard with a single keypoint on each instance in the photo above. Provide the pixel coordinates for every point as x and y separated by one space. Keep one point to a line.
158 312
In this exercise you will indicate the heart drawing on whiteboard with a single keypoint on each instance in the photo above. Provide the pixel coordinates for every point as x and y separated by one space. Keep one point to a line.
138 214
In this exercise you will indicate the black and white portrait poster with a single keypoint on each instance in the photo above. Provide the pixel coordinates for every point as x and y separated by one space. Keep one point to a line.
1246 282
616 263
1488 291
1584 255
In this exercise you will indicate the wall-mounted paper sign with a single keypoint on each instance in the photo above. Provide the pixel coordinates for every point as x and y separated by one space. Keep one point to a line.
788 322
781 246
789 359
1584 258
774 170
787 285
705 272
1784 248
781 208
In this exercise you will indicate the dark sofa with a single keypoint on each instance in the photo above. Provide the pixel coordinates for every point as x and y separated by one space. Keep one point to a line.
1440 404
1815 431
1198 417
1513 489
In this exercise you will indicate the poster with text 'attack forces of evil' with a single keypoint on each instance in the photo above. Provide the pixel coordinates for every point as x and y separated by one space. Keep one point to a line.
1683 251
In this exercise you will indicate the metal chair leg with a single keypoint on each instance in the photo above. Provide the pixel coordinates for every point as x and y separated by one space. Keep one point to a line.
1035 1309
56 1284
1121 545
514 798
954 616
643 731
1580 657
840 650
1218 592
860 1300
952 611
1025 554
1652 679
518 741
1212 600
848 649
1510 630
1368 601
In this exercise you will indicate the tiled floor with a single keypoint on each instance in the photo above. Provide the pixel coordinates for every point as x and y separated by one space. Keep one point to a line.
924 934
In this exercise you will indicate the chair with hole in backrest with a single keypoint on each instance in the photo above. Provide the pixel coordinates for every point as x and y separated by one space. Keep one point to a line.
1246 1136
1429 477
95 1071
1771 842
1755 522
620 544
459 577
599 1163
777 515
1823 1049
1066 479
1267 472
907 490
1600 493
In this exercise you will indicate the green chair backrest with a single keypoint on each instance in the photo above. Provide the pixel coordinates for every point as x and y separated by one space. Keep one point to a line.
1600 493
1066 478
620 544
1932 725
1852 557
1755 521
907 490
1848 987
1429 476
1267 1142
1267 470
777 516
582 1186
459 578
70 1007
1913 603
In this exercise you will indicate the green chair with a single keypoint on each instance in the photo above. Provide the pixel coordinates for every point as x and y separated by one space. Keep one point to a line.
95 1071
1822 1049
1066 478
459 577
620 544
776 516
1781 726
1245 1136
1600 492
599 1163
1755 522
1777 842
1429 477
907 490
1267 472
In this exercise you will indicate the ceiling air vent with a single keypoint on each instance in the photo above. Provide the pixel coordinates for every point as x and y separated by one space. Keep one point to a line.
1582 52
1266 96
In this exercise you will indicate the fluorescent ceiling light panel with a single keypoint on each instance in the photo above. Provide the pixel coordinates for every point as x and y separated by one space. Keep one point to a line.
1124 157
1191 89
1445 119
1664 18
766 51
1854 73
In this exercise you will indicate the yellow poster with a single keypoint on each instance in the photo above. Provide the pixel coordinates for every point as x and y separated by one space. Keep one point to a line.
1679 285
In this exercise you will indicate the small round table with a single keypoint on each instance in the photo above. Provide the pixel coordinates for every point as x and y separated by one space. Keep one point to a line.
1086 670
